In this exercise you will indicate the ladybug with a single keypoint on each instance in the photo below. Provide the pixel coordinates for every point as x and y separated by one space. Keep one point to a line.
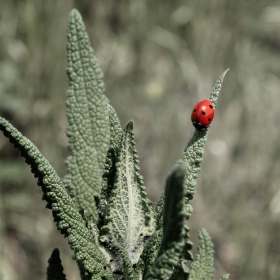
202 114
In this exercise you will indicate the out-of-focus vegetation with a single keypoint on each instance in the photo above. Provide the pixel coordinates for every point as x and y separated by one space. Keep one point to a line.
159 58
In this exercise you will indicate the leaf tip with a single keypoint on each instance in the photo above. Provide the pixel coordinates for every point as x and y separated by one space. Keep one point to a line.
130 125
224 73
75 13
55 252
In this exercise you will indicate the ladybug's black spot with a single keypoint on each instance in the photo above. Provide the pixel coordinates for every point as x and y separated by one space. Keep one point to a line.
209 119
194 110
203 113
211 106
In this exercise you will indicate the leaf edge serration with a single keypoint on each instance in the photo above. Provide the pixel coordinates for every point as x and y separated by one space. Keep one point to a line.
69 221
55 268
203 265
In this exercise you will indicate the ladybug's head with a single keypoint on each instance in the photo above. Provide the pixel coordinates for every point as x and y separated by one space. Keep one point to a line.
198 126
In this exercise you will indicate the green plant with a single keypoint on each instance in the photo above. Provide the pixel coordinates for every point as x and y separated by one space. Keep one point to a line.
113 228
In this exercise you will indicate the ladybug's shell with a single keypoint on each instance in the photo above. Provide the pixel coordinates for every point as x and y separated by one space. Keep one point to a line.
202 114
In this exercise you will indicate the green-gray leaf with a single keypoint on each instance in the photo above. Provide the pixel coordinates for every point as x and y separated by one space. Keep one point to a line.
173 239
115 128
139 270
195 148
202 267
109 167
69 221
130 216
89 130
151 249
55 268
181 271
192 156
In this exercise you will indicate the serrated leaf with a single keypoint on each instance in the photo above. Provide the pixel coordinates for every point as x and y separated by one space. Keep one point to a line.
69 220
173 240
202 267
55 268
130 217
109 167
88 117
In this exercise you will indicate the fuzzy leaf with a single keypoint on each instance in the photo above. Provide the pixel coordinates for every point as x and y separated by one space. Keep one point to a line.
110 168
55 268
139 270
202 267
173 239
115 128
192 156
217 88
130 216
195 148
107 186
151 249
69 220
181 271
128 270
88 117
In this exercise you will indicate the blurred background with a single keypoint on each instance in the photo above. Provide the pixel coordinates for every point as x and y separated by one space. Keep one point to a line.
159 58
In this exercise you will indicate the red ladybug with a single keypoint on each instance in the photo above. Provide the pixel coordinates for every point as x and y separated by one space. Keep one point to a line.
202 114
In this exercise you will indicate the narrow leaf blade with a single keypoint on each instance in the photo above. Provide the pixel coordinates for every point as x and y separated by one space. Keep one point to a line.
69 221
217 88
193 153
88 117
173 239
110 163
192 156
